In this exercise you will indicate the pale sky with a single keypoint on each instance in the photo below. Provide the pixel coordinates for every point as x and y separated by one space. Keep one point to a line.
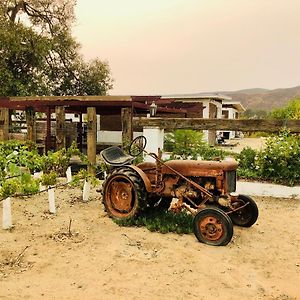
188 46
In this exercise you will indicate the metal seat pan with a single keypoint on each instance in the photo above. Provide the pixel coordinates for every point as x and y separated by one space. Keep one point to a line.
115 156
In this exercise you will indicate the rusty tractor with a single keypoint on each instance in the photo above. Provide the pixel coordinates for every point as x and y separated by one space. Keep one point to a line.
205 188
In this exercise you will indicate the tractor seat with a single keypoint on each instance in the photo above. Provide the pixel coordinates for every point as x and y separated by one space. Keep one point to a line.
115 156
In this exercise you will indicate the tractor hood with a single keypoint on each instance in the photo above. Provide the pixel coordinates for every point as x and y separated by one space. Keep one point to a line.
199 168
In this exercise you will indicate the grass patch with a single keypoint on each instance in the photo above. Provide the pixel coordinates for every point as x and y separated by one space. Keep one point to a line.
161 221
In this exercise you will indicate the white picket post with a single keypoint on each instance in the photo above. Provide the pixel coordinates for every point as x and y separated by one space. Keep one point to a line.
6 220
51 198
38 175
69 175
86 190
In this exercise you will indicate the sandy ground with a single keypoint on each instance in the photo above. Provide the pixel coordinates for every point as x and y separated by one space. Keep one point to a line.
40 258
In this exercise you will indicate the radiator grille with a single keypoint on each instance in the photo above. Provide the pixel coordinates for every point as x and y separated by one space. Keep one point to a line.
231 181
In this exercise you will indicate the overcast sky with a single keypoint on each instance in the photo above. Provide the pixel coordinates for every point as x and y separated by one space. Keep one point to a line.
188 46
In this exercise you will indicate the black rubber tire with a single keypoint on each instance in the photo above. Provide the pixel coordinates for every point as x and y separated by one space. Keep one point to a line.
248 215
213 227
124 187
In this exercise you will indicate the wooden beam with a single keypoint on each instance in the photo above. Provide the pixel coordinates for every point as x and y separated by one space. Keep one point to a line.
91 137
170 124
71 98
60 127
127 130
4 124
30 121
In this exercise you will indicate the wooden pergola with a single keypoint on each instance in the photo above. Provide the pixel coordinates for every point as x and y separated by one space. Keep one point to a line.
124 106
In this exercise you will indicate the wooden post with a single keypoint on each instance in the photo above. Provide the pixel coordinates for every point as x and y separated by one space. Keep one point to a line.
30 121
212 133
4 124
60 127
48 131
127 127
91 137
80 133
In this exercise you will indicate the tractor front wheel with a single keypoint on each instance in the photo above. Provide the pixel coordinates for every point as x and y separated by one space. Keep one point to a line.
213 227
124 194
247 215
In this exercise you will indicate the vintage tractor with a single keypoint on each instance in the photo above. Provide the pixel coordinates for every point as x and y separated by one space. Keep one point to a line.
205 188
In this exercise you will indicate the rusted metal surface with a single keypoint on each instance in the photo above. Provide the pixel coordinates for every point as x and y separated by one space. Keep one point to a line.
119 196
211 228
199 168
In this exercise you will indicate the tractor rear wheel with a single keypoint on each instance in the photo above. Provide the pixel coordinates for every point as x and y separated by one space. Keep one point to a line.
246 216
213 227
124 194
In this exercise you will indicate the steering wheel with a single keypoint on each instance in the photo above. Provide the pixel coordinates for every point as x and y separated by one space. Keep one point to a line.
137 146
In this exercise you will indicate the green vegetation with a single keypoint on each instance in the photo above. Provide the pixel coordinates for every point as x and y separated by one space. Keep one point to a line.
289 112
39 55
189 144
279 161
19 160
162 221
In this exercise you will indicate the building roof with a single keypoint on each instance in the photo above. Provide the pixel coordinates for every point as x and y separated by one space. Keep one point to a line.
235 104
199 97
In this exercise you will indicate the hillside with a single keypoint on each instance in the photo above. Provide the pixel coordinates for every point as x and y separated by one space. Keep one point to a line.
261 99
258 98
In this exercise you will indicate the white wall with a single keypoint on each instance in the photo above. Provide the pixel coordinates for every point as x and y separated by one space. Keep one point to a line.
206 113
231 115
155 141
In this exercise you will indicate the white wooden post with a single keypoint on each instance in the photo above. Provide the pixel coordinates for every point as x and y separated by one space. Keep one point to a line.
51 198
155 141
6 220
69 175
86 190
38 175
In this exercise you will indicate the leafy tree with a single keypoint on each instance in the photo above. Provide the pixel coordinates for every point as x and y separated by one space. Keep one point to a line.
291 111
38 54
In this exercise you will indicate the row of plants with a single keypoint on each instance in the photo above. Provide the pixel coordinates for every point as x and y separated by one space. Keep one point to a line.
278 162
19 160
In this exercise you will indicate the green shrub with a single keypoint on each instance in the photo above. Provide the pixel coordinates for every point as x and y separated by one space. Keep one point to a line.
189 144
279 161
291 111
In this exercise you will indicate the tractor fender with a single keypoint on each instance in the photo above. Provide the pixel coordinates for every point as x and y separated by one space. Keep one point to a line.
143 176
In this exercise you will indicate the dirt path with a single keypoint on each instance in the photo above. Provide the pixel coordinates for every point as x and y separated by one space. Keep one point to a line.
237 145
100 260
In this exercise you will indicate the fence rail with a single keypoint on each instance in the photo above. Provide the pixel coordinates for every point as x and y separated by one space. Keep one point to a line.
170 124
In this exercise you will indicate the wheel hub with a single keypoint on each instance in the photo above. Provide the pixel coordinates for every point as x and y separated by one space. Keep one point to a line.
121 196
211 228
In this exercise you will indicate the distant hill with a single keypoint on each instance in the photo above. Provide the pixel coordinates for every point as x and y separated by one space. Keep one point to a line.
258 98
262 99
